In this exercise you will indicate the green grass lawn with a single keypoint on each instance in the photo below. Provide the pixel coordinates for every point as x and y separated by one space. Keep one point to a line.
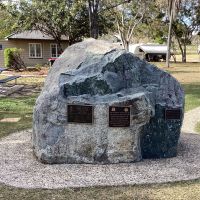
188 74
192 95
189 190
16 108
198 127
39 81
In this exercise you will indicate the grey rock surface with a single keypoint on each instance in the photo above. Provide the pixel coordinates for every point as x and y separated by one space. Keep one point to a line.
93 72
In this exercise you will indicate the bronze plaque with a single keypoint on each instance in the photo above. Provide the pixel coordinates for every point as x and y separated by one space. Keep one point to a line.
172 113
119 116
80 114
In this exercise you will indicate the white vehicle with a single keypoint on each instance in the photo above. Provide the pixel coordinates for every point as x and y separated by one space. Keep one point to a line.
149 52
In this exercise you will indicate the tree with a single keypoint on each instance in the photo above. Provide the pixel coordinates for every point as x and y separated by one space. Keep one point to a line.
186 23
172 9
93 6
62 17
53 18
6 22
96 9
153 26
128 16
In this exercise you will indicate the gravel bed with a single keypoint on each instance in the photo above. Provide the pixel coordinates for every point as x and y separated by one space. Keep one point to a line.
18 167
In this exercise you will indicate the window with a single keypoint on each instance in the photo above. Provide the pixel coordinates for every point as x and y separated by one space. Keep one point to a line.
35 50
1 47
54 51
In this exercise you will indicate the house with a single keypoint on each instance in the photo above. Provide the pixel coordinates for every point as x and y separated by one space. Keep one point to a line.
149 52
36 47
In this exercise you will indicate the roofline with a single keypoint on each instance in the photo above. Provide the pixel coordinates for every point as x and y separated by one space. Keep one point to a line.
34 39
8 37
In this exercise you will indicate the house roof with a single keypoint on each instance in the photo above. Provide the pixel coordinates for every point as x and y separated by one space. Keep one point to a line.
32 35
154 48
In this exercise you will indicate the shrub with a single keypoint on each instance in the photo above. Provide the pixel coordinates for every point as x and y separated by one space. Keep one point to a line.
13 59
38 67
7 60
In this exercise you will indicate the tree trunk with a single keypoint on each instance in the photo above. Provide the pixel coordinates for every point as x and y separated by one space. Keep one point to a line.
126 45
125 42
181 48
71 39
94 27
184 53
93 18
169 40
60 50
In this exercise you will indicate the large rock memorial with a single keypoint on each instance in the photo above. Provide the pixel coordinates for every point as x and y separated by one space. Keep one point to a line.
104 105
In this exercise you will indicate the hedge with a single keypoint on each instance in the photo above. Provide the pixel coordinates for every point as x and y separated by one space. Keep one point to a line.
9 56
13 59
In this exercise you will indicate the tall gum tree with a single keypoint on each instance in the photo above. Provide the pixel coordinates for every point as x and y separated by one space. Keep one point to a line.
96 8
173 7
93 9
186 24
128 16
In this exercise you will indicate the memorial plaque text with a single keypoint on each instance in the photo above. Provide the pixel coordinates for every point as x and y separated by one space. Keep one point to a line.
80 114
119 116
172 113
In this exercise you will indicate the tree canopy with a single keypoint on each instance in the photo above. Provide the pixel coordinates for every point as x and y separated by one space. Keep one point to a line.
6 22
92 18
186 24
53 18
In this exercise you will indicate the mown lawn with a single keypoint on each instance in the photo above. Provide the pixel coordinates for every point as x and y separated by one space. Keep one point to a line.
189 76
192 95
21 107
18 107
189 190
39 81
198 127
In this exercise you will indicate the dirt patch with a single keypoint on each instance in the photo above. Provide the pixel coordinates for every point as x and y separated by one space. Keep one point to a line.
10 119
27 90
29 72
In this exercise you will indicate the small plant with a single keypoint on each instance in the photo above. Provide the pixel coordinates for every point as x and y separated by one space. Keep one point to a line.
38 67
13 59
197 128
